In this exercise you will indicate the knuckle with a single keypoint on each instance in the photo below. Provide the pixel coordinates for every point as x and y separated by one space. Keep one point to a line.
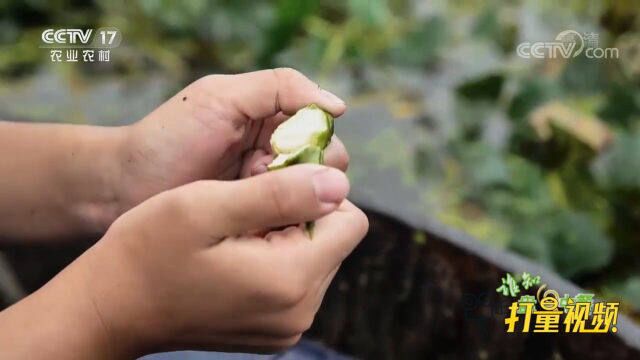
290 292
208 80
293 294
284 291
201 84
286 74
297 321
288 79
303 323
177 203
290 85
203 88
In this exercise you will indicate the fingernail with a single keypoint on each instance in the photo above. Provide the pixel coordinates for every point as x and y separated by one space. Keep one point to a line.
330 185
332 97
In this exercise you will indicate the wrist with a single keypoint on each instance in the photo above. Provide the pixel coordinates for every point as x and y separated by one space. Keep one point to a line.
96 177
120 296
60 320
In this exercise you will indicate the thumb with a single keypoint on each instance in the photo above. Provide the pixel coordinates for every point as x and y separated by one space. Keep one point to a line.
288 196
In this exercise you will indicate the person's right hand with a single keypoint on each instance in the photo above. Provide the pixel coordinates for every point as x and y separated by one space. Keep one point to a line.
183 270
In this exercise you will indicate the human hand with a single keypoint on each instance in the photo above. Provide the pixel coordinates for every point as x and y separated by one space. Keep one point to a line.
182 269
217 128
81 178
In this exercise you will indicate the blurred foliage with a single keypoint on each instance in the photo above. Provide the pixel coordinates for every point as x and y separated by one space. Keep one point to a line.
542 156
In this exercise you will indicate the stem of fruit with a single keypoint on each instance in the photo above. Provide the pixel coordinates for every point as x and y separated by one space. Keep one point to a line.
309 225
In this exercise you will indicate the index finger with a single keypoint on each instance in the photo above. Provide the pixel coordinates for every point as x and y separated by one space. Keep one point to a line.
336 235
265 93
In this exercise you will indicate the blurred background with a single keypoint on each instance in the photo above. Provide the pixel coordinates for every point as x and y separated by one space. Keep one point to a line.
540 157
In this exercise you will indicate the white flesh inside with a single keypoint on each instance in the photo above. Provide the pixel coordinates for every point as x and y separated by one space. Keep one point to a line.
282 159
301 130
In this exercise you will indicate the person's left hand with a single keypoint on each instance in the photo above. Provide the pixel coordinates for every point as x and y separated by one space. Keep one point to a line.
217 128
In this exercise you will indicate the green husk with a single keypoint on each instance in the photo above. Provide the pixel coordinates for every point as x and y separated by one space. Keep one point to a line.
310 151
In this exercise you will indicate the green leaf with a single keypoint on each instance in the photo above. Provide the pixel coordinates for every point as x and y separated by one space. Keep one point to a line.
533 93
579 246
370 12
421 45
619 168
529 242
622 105
629 290
492 24
486 166
290 16
485 88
